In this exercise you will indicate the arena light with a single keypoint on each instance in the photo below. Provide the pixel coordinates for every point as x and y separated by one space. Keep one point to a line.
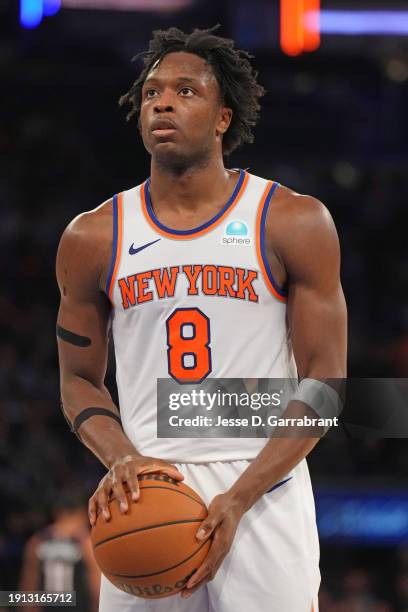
51 7
31 13
361 22
311 27
297 33
128 5
291 36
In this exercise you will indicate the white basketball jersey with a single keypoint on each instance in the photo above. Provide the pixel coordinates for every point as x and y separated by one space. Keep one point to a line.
215 281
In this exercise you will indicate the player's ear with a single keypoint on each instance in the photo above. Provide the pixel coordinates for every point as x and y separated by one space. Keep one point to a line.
224 119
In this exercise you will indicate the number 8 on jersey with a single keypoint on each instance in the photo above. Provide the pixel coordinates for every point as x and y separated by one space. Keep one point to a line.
188 340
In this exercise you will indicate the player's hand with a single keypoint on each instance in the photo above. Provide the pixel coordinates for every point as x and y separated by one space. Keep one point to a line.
224 515
126 470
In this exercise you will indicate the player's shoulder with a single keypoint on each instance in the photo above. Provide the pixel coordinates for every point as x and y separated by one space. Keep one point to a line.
86 243
298 224
92 225
290 203
89 235
291 211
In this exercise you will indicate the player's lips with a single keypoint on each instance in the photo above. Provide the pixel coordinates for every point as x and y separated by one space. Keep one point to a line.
162 127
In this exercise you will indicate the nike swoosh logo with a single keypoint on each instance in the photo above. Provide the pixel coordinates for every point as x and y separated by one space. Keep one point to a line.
282 482
133 251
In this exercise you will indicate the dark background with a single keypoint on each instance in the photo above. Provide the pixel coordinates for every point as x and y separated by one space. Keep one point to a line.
334 125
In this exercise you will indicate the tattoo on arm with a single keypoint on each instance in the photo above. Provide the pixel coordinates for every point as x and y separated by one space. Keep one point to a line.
72 338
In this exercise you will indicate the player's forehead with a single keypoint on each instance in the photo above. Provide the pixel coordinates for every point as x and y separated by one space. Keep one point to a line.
180 65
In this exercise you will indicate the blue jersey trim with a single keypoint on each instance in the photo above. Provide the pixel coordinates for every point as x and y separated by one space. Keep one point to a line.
115 243
279 484
275 285
200 227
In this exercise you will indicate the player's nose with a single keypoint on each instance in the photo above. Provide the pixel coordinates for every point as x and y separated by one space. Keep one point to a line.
164 103
163 107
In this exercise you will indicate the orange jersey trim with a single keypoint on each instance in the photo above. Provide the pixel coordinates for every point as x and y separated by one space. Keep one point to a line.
210 225
117 255
270 188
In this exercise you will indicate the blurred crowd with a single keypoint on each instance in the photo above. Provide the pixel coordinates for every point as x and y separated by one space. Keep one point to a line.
335 129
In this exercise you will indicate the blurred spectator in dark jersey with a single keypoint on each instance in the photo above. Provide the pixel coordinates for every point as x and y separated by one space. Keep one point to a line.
59 557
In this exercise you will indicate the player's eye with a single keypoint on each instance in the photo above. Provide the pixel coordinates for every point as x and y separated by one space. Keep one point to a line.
150 93
186 91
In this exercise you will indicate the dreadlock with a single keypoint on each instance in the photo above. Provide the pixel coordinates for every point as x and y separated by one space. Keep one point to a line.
232 69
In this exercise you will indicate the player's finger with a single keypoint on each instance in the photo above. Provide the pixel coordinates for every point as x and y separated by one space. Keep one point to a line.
92 507
203 571
197 579
198 576
207 526
133 484
212 562
186 593
174 472
119 493
102 499
163 468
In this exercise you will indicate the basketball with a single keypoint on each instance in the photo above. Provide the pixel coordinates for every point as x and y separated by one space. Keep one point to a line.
151 551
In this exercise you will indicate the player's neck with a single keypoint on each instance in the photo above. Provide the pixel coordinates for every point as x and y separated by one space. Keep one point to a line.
190 188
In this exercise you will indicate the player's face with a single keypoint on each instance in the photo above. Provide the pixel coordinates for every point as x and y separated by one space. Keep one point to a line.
182 117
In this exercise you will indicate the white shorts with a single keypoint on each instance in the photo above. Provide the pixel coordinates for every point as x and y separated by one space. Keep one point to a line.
273 564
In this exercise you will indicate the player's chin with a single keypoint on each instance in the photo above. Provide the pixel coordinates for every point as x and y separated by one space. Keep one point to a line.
155 144
165 145
169 153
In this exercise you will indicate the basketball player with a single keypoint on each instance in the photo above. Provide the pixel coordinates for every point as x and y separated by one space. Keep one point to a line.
152 263
59 557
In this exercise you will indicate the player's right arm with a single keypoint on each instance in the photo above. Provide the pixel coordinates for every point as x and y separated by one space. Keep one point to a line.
83 259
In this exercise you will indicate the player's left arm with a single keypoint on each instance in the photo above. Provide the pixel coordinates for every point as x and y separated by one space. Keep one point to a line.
305 242
30 571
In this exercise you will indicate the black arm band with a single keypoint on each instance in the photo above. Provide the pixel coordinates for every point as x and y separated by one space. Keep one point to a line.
90 412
